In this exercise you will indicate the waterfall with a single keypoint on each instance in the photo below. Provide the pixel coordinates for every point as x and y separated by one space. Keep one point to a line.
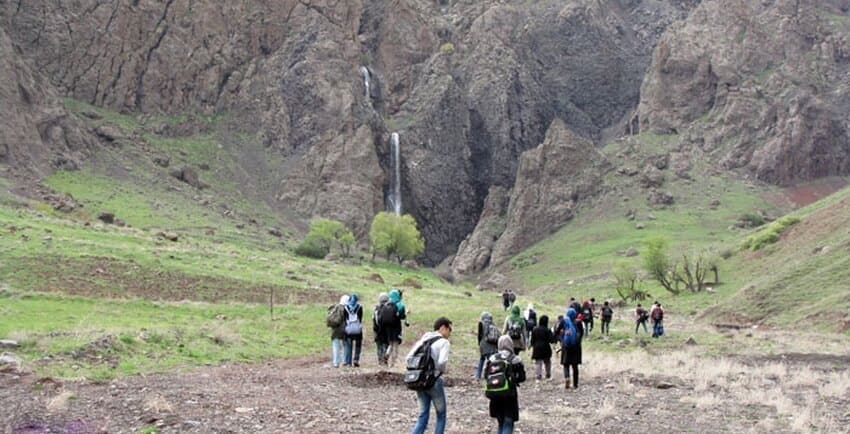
364 72
395 193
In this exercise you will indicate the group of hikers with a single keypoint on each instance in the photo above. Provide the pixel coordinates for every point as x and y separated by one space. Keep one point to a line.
499 364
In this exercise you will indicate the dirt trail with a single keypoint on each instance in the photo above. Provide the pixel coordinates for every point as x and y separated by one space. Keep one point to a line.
306 395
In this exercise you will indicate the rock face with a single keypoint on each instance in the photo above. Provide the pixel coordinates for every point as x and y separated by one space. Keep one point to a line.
36 133
551 181
471 87
761 83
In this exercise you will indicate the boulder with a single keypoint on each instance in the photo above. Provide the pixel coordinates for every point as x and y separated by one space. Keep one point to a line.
189 176
106 217
8 344
657 198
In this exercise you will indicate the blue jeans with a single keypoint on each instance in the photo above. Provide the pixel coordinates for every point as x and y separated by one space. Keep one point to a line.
437 395
506 425
354 343
336 351
657 328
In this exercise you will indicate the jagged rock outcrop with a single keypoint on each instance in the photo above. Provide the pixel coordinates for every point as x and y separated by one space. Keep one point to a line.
553 179
36 133
469 85
763 84
474 252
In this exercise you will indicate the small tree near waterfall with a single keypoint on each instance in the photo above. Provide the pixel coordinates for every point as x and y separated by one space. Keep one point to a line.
395 237
323 235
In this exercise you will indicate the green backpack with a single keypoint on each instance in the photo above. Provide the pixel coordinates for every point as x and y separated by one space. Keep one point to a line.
499 377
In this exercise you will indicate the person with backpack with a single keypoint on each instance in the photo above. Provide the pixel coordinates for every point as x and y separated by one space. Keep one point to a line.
607 314
435 345
335 320
353 332
381 340
657 316
541 350
641 315
488 337
511 297
515 328
530 316
587 316
392 315
571 333
506 302
574 304
505 372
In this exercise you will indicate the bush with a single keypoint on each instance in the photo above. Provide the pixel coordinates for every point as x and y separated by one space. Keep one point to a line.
447 48
752 220
769 234
311 249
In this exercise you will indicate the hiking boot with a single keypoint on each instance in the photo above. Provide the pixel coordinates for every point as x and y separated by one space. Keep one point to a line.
567 384
356 364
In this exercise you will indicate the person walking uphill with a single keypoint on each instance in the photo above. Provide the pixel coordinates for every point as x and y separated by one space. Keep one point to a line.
641 315
515 328
571 333
392 315
657 316
504 374
353 343
488 337
607 314
541 349
381 340
436 394
335 319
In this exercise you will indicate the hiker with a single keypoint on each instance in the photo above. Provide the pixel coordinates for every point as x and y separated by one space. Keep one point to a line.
353 332
571 333
657 316
395 312
336 321
607 314
511 297
515 328
504 374
530 316
574 304
641 315
506 299
436 394
381 340
488 337
541 350
587 316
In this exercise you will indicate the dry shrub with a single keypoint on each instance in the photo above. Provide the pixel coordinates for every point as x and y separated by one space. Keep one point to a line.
837 385
705 401
607 409
803 377
60 401
157 404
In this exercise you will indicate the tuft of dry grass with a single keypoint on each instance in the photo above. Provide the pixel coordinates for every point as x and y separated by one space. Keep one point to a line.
157 404
837 385
704 401
60 402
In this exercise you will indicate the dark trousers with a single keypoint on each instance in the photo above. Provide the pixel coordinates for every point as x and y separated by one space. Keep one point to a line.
606 326
567 374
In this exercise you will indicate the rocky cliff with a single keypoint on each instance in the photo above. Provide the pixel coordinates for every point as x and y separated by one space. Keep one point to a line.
478 91
759 85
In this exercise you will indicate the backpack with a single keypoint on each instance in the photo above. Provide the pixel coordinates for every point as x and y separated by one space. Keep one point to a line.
569 335
658 315
491 335
531 322
420 373
335 316
376 319
498 374
388 314
587 313
607 313
515 330
352 323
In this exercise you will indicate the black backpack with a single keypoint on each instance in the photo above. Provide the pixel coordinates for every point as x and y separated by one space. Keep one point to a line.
499 377
388 315
421 373
531 322
515 330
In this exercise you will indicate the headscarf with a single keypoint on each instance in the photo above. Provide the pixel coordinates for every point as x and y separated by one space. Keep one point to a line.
570 319
352 302
528 310
486 318
544 321
343 300
506 344
395 297
515 315
383 298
